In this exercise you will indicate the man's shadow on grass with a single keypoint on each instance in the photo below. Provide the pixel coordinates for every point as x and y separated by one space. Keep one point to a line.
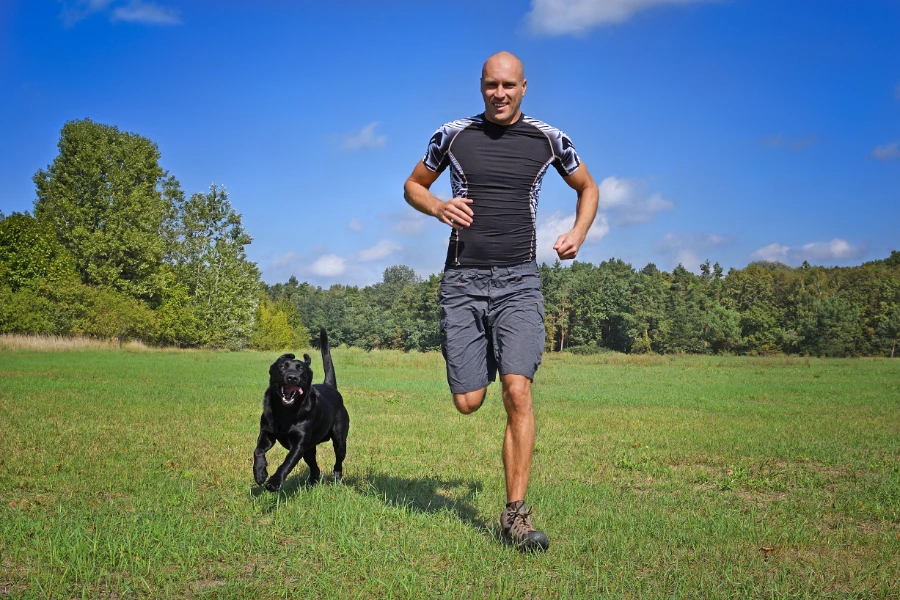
425 495
428 495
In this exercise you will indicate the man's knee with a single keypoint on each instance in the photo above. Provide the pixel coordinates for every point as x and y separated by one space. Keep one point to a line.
469 402
516 393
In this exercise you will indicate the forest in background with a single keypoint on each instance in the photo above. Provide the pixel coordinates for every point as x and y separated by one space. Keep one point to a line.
115 249
764 308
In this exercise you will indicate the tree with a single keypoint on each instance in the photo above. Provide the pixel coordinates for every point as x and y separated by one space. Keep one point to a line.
103 195
206 251
889 330
30 254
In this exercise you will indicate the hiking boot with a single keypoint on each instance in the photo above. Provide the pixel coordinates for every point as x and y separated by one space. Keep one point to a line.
516 527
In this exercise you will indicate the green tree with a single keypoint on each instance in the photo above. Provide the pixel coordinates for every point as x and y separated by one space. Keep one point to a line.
105 197
206 251
889 330
30 254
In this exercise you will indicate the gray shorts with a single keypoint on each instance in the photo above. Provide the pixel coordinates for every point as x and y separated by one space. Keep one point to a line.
491 318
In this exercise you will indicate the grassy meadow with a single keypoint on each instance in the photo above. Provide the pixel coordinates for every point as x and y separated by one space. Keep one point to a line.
126 473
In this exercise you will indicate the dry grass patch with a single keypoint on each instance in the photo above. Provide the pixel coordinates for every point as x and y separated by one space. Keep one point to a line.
57 343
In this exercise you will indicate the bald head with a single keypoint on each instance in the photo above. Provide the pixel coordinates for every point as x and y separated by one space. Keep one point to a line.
503 87
505 60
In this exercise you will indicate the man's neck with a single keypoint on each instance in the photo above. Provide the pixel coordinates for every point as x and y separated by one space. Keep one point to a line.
512 122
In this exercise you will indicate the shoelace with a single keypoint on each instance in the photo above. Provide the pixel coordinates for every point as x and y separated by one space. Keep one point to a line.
522 515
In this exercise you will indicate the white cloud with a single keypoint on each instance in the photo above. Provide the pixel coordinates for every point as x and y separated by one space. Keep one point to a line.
328 265
364 138
886 152
355 225
699 241
561 17
628 203
137 11
836 249
382 249
685 248
559 223
772 253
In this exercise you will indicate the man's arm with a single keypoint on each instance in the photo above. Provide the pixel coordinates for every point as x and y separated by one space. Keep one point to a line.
567 244
455 212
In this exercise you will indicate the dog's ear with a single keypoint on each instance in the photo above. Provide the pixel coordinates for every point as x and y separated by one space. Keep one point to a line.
307 358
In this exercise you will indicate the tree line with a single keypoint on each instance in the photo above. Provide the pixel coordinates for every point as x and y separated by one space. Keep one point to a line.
115 249
764 308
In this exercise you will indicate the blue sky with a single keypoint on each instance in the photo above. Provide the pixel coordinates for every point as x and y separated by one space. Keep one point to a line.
734 130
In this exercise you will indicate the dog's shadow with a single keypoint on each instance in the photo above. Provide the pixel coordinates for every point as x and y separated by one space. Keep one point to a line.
424 495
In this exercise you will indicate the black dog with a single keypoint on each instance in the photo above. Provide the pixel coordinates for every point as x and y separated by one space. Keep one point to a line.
299 415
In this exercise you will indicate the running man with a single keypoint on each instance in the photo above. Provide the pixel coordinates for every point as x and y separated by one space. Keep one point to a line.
492 311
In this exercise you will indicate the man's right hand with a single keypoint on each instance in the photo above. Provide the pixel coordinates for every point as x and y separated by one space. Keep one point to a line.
455 213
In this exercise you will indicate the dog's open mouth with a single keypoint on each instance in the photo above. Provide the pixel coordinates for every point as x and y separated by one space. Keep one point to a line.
289 393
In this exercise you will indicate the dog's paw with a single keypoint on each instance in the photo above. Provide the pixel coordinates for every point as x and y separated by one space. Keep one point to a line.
260 476
273 484
338 476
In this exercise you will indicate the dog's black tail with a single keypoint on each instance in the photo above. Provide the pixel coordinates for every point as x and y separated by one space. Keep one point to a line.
326 358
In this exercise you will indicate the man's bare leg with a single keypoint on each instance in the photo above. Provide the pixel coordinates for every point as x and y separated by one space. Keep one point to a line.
518 444
470 401
518 448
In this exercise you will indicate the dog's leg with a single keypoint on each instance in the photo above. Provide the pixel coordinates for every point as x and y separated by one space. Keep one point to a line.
340 452
310 459
263 445
339 441
290 461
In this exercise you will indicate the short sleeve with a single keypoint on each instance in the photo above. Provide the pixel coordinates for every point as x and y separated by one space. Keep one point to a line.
435 158
567 160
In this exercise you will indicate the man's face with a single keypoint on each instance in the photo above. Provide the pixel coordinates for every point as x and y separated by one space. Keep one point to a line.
502 87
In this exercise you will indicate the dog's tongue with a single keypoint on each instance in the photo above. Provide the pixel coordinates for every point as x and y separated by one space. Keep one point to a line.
290 389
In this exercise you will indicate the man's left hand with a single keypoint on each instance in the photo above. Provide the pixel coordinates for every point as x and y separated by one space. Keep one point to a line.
567 245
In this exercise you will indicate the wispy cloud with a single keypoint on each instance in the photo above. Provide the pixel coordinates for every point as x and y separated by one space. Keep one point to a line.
146 12
628 202
134 11
780 141
559 223
686 248
836 249
886 152
575 17
326 267
410 223
379 251
364 138
355 225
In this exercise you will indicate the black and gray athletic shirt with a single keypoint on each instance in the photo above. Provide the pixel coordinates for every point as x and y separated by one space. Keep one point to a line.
500 169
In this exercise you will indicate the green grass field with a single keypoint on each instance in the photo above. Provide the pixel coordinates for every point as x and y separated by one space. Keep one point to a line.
127 473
